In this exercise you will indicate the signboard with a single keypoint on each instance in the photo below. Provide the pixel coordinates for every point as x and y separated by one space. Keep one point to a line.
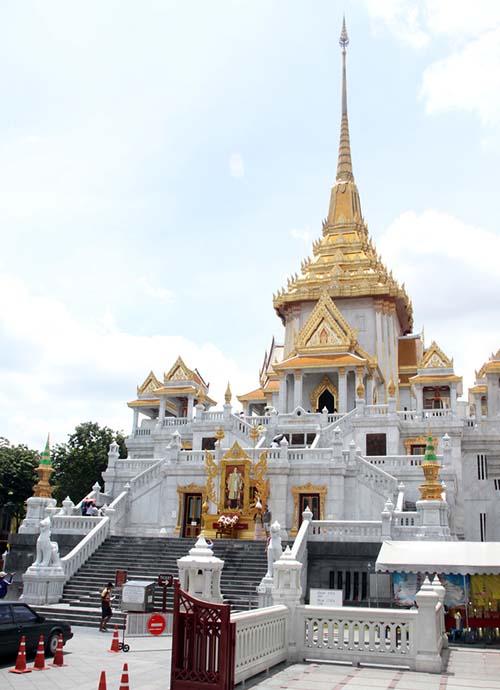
326 597
156 624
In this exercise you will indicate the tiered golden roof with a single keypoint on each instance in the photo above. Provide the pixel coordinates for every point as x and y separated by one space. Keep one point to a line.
344 261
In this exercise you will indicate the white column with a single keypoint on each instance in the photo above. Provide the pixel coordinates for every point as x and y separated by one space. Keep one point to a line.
419 393
190 407
136 420
342 390
161 413
282 395
297 389
453 397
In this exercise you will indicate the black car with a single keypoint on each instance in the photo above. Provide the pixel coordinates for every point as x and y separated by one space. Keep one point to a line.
17 619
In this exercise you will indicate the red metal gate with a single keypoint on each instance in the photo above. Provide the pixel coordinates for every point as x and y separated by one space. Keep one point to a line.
203 643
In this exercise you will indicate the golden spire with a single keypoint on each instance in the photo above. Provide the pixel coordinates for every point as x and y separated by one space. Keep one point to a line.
44 470
228 395
344 166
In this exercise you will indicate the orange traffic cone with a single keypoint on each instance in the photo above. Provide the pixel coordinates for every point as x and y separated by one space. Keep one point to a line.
39 664
115 644
102 681
124 681
58 656
20 666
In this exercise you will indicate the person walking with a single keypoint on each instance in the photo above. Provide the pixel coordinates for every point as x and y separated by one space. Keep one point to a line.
4 584
106 611
266 520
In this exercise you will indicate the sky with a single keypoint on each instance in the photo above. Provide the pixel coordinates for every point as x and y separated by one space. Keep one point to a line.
164 166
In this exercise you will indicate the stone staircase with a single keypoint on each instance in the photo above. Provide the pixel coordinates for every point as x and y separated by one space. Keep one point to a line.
245 564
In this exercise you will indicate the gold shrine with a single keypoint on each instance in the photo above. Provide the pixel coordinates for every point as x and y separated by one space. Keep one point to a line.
242 485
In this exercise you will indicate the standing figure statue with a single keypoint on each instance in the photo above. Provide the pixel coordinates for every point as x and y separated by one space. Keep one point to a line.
274 548
234 486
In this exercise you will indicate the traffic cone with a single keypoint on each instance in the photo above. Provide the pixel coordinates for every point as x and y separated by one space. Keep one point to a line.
39 664
20 666
102 681
58 656
124 681
115 645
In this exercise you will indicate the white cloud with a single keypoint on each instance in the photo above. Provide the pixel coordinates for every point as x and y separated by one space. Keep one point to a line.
236 165
301 234
57 371
159 293
453 286
468 79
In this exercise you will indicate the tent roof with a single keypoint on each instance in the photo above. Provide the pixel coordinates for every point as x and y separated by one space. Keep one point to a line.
460 557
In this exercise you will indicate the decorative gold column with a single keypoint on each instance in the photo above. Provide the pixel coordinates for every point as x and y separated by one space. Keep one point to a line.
431 489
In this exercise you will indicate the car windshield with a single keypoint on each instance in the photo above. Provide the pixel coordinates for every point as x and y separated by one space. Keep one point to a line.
5 615
22 614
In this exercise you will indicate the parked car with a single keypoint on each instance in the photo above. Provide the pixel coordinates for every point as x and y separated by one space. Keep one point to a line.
17 619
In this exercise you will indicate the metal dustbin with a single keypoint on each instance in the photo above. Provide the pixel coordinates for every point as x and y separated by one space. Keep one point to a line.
138 595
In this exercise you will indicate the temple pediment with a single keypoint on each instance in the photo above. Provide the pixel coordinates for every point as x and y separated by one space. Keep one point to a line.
326 330
434 358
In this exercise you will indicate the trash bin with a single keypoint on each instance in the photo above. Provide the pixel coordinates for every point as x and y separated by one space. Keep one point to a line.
138 595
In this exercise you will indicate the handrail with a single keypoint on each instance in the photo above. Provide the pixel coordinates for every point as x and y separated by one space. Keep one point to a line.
86 547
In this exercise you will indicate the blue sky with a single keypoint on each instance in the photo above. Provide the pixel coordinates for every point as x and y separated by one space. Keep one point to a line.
164 166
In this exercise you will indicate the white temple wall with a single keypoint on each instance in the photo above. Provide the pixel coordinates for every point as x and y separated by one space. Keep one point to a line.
360 315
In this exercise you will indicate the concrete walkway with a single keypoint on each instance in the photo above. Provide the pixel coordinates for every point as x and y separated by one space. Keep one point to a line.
149 669
466 670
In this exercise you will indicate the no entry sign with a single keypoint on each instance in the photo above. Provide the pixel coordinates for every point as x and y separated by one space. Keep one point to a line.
157 624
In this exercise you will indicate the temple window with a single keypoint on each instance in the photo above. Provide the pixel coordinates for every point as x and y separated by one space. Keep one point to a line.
208 443
376 444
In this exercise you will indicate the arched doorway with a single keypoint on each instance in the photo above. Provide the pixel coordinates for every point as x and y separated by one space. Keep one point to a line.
326 399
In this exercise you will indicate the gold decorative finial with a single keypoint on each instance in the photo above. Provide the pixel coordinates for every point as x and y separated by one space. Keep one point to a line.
344 166
431 489
228 395
360 388
254 433
219 433
44 470
391 389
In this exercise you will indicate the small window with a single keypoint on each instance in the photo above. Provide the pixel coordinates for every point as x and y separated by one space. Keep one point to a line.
482 526
482 467
22 614
497 484
208 443
5 615
417 449
376 444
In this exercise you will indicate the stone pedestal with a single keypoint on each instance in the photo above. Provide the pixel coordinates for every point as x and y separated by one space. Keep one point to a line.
43 585
36 511
200 572
433 520
287 590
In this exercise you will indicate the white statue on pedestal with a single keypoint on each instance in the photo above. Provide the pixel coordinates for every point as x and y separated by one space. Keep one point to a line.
47 551
274 548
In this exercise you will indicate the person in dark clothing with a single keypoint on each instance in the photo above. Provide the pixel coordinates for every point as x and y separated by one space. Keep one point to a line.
4 584
106 611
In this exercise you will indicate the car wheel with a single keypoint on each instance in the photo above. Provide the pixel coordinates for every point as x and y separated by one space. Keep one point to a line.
51 646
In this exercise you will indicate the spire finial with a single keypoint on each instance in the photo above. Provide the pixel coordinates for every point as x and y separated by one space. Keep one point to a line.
344 38
344 167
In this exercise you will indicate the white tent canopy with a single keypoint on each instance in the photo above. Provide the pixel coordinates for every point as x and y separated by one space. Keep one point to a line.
459 557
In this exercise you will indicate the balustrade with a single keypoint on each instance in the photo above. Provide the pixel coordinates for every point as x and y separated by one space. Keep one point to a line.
175 421
142 432
346 530
261 640
357 634
372 410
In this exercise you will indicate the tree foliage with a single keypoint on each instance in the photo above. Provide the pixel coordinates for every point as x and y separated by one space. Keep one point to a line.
78 464
17 477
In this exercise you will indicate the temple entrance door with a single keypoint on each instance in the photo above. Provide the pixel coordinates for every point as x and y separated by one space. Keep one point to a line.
192 515
326 399
312 502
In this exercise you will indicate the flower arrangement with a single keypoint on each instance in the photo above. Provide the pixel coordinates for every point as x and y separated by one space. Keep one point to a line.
228 520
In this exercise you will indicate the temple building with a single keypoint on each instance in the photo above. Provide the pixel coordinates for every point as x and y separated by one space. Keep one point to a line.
345 404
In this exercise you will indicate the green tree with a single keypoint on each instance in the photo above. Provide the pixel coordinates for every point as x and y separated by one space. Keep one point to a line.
17 477
78 464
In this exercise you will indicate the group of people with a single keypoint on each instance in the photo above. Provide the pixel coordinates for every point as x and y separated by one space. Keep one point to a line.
89 507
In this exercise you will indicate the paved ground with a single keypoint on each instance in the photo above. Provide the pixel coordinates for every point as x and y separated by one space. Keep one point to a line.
86 656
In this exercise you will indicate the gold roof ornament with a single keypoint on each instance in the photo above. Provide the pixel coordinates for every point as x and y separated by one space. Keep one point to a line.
391 388
431 489
219 433
344 261
149 384
228 395
360 388
44 470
